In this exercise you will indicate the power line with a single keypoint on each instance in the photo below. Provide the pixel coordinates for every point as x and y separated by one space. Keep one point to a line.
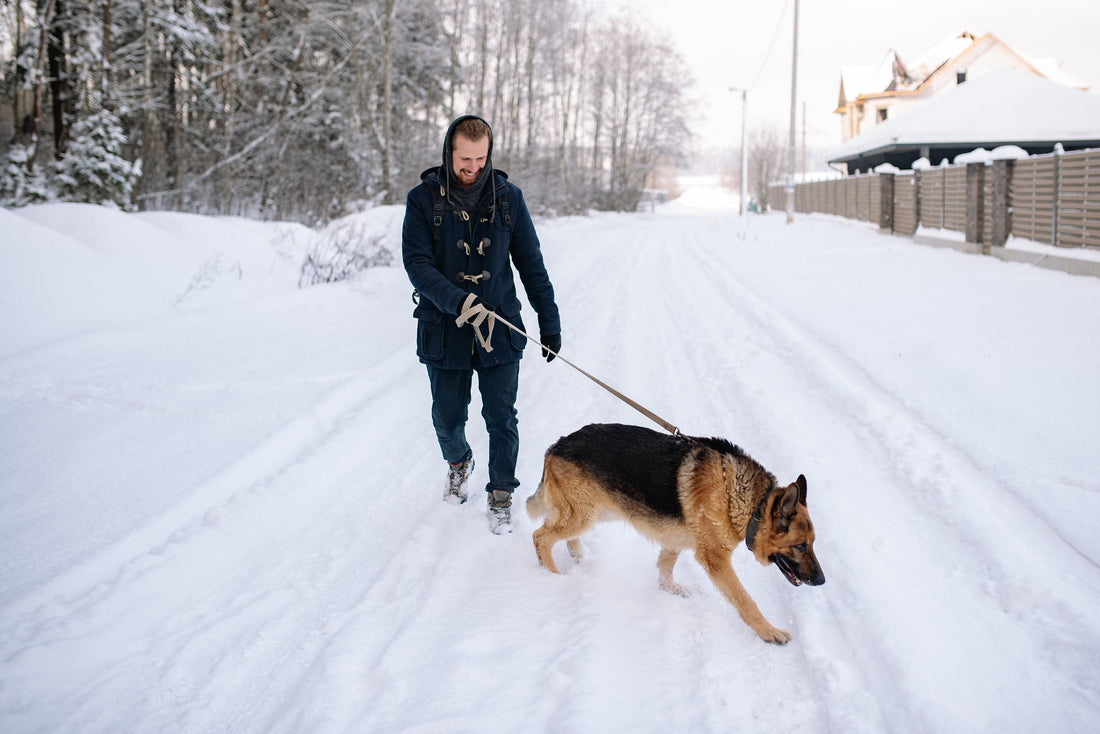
771 46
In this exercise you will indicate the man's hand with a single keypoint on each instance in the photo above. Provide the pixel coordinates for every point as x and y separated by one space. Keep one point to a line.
551 345
474 312
470 308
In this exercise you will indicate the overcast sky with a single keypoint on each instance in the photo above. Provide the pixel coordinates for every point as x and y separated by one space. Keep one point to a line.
725 43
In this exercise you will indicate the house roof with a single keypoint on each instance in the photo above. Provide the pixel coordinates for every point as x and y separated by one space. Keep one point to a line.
1002 108
946 50
894 76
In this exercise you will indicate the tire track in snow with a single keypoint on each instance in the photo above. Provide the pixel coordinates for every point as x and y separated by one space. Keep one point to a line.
261 545
945 508
632 293
778 390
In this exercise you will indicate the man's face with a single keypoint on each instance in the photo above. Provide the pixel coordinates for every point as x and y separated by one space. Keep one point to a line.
468 157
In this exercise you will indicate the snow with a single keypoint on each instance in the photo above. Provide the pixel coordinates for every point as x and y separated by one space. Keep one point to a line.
222 498
1040 248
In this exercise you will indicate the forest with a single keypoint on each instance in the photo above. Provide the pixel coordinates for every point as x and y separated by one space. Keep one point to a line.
308 110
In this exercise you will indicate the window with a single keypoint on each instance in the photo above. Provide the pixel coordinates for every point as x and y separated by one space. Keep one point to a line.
882 112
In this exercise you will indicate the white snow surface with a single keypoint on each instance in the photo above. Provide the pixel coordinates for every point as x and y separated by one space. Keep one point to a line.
221 497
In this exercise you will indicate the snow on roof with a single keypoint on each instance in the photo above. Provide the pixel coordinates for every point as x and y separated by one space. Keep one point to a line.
1007 106
871 80
855 80
1052 69
862 80
944 51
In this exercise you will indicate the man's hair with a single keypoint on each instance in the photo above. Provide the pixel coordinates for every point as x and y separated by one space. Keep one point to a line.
472 128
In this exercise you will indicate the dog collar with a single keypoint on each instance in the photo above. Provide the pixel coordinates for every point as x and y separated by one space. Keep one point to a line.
754 521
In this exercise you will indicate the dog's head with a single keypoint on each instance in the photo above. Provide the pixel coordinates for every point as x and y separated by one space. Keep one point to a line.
787 540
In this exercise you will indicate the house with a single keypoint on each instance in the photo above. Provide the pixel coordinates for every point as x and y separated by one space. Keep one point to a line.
872 95
1008 107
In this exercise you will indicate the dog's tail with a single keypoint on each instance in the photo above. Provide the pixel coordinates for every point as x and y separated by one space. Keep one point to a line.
536 504
537 507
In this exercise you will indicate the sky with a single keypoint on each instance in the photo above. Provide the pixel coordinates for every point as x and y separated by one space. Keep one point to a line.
726 45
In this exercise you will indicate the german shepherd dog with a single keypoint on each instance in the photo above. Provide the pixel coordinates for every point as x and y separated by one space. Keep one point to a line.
681 492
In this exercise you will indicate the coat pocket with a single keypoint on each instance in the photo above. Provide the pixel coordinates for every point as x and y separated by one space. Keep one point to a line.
430 331
511 311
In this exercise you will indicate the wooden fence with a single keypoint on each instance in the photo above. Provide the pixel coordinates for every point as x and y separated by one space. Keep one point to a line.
1053 199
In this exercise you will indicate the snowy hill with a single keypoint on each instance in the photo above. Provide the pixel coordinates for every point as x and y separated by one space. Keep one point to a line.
220 505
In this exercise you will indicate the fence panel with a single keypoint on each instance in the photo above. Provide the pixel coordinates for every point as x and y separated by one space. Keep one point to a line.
777 197
954 198
905 203
930 188
869 197
1079 199
1031 198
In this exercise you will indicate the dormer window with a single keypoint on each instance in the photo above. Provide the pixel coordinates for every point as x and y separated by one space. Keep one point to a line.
960 76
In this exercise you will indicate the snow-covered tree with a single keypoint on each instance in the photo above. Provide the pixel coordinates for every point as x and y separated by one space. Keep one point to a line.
92 168
23 182
308 109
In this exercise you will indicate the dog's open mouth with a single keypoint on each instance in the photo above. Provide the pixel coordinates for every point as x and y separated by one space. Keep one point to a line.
787 567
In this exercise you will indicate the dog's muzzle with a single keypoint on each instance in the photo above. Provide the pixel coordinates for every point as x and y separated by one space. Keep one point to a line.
790 570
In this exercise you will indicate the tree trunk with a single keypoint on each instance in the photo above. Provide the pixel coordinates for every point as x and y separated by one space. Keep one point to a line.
60 89
105 58
20 71
387 102
147 83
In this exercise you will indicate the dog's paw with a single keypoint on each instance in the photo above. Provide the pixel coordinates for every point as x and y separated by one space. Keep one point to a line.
774 635
674 588
576 550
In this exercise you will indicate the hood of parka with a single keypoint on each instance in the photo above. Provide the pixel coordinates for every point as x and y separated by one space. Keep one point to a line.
448 145
450 185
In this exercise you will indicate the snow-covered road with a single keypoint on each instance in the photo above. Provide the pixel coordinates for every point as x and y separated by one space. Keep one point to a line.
221 512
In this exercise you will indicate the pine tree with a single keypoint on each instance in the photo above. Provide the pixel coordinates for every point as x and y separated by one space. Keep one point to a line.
92 169
21 185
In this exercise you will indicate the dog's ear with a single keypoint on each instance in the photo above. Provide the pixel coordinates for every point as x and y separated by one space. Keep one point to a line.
786 506
801 482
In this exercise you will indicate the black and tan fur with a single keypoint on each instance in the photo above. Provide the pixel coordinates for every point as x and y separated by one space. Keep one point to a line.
703 494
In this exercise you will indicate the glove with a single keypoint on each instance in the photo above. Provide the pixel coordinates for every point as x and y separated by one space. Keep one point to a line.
474 312
471 306
550 342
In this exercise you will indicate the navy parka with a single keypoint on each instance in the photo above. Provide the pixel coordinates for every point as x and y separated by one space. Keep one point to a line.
435 266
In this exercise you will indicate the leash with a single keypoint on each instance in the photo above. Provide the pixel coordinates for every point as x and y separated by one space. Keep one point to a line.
479 314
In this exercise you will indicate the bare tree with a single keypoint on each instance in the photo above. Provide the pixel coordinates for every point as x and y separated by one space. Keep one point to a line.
767 161
638 109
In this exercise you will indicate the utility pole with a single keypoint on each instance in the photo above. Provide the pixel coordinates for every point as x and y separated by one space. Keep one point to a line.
803 141
744 160
794 108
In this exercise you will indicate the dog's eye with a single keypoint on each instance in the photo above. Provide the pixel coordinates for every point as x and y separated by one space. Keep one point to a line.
801 547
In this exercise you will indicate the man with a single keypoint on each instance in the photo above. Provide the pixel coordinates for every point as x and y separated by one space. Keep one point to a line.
465 226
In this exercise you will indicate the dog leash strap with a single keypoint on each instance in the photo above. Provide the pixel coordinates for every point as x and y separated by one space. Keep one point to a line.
475 316
633 404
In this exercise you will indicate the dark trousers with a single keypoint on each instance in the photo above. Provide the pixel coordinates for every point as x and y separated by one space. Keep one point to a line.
450 410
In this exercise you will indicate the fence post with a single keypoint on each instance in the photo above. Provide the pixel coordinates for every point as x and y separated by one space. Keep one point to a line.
975 202
1055 194
918 195
1002 224
886 203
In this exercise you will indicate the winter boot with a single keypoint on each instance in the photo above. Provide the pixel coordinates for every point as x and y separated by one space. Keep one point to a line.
500 512
457 476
